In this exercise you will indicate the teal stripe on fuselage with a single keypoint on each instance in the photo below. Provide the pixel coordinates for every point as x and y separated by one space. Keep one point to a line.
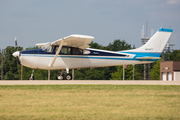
143 54
89 57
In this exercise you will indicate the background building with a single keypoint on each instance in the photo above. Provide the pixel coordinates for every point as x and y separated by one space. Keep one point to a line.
170 70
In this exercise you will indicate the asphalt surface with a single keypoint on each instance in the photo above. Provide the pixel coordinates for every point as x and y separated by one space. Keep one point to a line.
87 82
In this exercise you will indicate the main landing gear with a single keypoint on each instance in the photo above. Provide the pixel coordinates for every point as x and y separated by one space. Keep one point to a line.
66 76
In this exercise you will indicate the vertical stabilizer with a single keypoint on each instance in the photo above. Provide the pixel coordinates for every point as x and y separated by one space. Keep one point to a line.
156 43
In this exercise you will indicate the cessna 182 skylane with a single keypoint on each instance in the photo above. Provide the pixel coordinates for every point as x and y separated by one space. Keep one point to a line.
73 52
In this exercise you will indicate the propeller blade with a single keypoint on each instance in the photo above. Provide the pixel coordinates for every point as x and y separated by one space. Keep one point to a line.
16 44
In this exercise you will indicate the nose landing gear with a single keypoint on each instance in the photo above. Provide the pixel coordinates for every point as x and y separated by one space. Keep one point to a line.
31 77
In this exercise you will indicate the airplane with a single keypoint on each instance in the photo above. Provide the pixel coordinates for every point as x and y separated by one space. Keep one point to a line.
73 52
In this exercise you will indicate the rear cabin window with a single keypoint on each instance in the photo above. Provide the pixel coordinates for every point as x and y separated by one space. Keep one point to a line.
77 51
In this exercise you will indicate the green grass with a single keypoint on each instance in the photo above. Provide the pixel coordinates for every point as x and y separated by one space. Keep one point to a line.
90 102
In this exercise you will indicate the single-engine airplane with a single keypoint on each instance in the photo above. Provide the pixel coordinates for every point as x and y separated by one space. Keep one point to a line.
73 52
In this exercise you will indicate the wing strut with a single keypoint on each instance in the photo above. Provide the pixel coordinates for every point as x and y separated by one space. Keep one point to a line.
57 52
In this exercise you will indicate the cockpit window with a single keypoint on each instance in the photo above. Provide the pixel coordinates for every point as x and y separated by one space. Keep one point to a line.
65 50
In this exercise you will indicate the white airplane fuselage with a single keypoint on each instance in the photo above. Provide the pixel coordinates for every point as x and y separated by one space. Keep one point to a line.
95 58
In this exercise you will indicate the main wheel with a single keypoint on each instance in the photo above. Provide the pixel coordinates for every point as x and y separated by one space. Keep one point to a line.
30 78
68 76
59 77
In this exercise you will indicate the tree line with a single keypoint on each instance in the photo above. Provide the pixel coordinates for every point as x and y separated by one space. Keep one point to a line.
12 67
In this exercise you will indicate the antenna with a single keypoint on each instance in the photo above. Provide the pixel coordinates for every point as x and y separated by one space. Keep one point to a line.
143 31
146 28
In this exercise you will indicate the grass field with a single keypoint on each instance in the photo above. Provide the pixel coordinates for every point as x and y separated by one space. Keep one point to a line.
90 102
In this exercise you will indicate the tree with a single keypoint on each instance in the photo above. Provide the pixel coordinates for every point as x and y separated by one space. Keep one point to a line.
89 74
0 62
119 45
155 71
31 48
95 45
10 64
118 75
175 55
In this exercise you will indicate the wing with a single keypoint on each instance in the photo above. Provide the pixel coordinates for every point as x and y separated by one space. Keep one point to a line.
41 44
79 41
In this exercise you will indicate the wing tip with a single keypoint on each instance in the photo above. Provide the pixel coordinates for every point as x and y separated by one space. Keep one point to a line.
82 36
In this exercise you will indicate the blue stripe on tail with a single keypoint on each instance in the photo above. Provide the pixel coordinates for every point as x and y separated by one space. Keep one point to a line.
165 30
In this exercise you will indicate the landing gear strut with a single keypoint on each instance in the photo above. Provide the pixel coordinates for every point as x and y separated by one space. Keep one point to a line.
60 76
67 76
31 77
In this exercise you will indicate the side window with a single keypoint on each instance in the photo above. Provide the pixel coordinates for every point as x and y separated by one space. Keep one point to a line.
56 48
68 50
77 51
65 50
86 52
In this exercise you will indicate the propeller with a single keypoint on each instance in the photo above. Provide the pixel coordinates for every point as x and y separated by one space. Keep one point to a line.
17 53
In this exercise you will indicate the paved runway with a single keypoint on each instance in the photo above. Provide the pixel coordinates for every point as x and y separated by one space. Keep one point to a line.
87 82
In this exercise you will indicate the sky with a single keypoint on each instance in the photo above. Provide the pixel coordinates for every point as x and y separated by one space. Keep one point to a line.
40 21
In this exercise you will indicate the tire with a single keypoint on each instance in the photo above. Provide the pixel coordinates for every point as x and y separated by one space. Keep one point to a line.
59 77
29 78
68 76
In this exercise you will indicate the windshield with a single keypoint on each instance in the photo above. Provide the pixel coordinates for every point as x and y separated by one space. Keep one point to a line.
47 48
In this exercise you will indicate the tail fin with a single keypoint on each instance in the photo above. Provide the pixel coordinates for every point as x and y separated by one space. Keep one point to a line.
156 43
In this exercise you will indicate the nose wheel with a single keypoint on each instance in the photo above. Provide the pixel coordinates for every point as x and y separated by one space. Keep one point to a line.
30 78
